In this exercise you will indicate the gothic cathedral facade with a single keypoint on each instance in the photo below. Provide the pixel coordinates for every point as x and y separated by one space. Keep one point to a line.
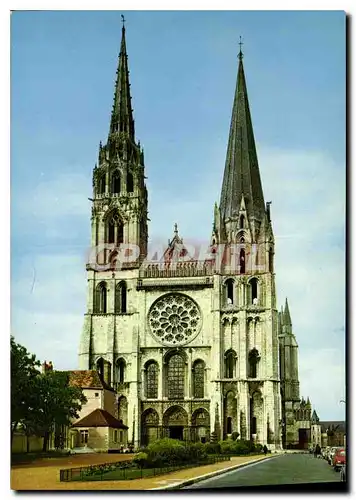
194 348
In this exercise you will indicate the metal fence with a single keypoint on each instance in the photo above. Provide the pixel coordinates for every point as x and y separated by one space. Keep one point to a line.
125 470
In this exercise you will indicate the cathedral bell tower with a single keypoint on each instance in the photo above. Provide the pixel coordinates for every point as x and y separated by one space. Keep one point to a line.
242 230
119 210
119 234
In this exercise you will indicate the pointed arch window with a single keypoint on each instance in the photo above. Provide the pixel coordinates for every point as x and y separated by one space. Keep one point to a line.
101 298
121 370
254 425
230 364
115 229
120 233
242 261
152 380
130 182
176 377
198 379
242 221
122 410
111 230
229 288
101 184
253 359
100 368
229 425
121 297
254 291
116 183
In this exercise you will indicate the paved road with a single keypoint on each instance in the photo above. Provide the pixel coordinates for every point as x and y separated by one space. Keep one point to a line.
283 469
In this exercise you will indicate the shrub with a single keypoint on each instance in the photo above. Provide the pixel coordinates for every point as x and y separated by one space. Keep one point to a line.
167 451
196 451
230 447
141 459
240 448
213 448
234 436
225 446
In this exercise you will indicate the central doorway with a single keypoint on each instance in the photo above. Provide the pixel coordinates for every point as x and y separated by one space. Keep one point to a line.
176 432
175 421
303 439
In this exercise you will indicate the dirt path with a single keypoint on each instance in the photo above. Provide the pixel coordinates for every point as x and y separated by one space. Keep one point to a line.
40 476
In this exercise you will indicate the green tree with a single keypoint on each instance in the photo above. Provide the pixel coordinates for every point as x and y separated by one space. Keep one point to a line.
41 403
57 403
24 372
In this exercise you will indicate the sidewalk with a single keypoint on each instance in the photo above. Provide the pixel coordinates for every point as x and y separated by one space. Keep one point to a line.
47 478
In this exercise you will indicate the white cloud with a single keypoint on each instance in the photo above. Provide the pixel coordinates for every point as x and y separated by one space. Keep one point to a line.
322 374
57 197
51 336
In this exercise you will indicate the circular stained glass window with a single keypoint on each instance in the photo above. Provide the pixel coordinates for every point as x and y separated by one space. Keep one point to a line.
174 319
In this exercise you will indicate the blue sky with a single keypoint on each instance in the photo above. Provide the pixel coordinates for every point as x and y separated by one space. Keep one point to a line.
183 69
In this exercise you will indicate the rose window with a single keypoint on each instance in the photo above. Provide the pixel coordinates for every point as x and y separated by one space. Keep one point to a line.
174 319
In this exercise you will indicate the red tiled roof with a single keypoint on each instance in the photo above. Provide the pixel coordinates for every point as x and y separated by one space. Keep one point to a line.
86 379
100 418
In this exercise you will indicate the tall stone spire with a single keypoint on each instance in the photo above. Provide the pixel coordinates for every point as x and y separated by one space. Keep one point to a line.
286 315
122 117
241 175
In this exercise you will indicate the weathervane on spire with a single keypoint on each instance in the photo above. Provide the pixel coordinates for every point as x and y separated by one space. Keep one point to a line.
176 229
123 21
240 53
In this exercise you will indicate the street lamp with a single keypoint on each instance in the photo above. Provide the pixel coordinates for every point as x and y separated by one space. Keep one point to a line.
343 401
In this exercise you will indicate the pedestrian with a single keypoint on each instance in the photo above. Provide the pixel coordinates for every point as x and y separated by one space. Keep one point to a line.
317 450
265 449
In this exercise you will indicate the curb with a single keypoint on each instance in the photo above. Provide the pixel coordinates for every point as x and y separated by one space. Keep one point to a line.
194 480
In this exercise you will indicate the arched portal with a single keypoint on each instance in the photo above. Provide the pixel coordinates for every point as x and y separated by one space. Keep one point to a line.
175 422
200 425
150 430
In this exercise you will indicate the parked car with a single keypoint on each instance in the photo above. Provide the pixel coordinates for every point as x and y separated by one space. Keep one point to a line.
339 459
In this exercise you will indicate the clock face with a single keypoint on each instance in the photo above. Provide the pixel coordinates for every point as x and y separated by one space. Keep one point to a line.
175 319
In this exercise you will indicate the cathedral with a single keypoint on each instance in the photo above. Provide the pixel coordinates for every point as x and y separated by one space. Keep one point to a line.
192 344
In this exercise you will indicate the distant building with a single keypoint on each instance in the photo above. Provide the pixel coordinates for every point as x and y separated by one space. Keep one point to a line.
99 426
333 433
315 431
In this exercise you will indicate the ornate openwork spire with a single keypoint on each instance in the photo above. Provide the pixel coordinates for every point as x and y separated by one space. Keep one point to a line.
122 116
241 175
